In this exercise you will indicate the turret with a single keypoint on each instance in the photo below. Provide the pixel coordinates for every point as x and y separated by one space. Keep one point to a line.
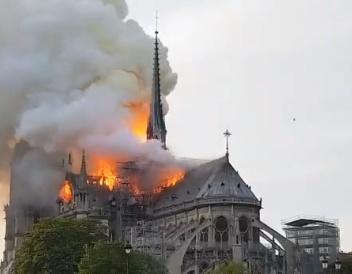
80 193
83 172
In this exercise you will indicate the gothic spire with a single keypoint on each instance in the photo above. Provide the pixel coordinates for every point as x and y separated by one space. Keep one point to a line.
68 164
83 172
69 159
156 124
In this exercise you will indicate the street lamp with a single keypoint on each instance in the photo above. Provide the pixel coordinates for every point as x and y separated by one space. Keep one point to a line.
128 249
338 265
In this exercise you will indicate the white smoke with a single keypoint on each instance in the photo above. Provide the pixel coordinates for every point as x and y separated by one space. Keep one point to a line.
66 69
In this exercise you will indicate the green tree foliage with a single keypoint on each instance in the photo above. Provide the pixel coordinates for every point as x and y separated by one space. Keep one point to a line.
347 264
56 246
110 258
229 268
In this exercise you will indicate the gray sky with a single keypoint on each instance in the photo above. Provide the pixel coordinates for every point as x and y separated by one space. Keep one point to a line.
253 66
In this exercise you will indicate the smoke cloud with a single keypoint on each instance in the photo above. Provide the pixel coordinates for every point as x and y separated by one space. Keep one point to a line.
67 70
38 176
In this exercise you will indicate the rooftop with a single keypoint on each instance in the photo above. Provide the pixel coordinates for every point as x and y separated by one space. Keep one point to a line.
305 221
212 180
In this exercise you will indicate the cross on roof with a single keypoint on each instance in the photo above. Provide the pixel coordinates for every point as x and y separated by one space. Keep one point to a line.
227 135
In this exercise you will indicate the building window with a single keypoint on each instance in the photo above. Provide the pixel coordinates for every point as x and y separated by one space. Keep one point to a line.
323 250
324 258
305 241
326 241
221 230
309 250
290 234
305 232
204 235
243 224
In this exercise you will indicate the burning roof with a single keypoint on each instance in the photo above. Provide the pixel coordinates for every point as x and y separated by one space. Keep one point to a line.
212 180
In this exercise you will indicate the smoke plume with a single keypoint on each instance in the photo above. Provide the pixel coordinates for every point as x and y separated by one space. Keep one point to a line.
68 69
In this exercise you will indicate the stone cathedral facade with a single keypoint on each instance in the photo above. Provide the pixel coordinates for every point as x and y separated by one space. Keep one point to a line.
210 216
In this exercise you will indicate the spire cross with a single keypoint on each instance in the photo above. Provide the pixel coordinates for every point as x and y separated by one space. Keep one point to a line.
156 21
227 135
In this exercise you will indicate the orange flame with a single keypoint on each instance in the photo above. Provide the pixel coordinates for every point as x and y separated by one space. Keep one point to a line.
66 192
170 178
138 121
135 190
111 177
173 179
107 171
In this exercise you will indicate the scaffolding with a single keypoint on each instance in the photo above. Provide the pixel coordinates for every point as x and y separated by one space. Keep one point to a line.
318 237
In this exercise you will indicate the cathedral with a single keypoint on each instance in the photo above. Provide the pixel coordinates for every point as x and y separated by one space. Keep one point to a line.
210 215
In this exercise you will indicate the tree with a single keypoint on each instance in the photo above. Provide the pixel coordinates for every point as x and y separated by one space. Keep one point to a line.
56 246
110 258
229 268
347 264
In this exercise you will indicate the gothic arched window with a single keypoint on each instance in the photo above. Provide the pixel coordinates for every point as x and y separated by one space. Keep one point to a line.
204 235
243 224
221 229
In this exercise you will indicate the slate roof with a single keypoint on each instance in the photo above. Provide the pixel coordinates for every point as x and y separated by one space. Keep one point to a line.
214 179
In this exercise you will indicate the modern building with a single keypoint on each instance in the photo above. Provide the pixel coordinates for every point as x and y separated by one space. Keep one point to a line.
318 237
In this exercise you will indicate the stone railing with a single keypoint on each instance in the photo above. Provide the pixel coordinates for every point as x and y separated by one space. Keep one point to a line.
189 205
